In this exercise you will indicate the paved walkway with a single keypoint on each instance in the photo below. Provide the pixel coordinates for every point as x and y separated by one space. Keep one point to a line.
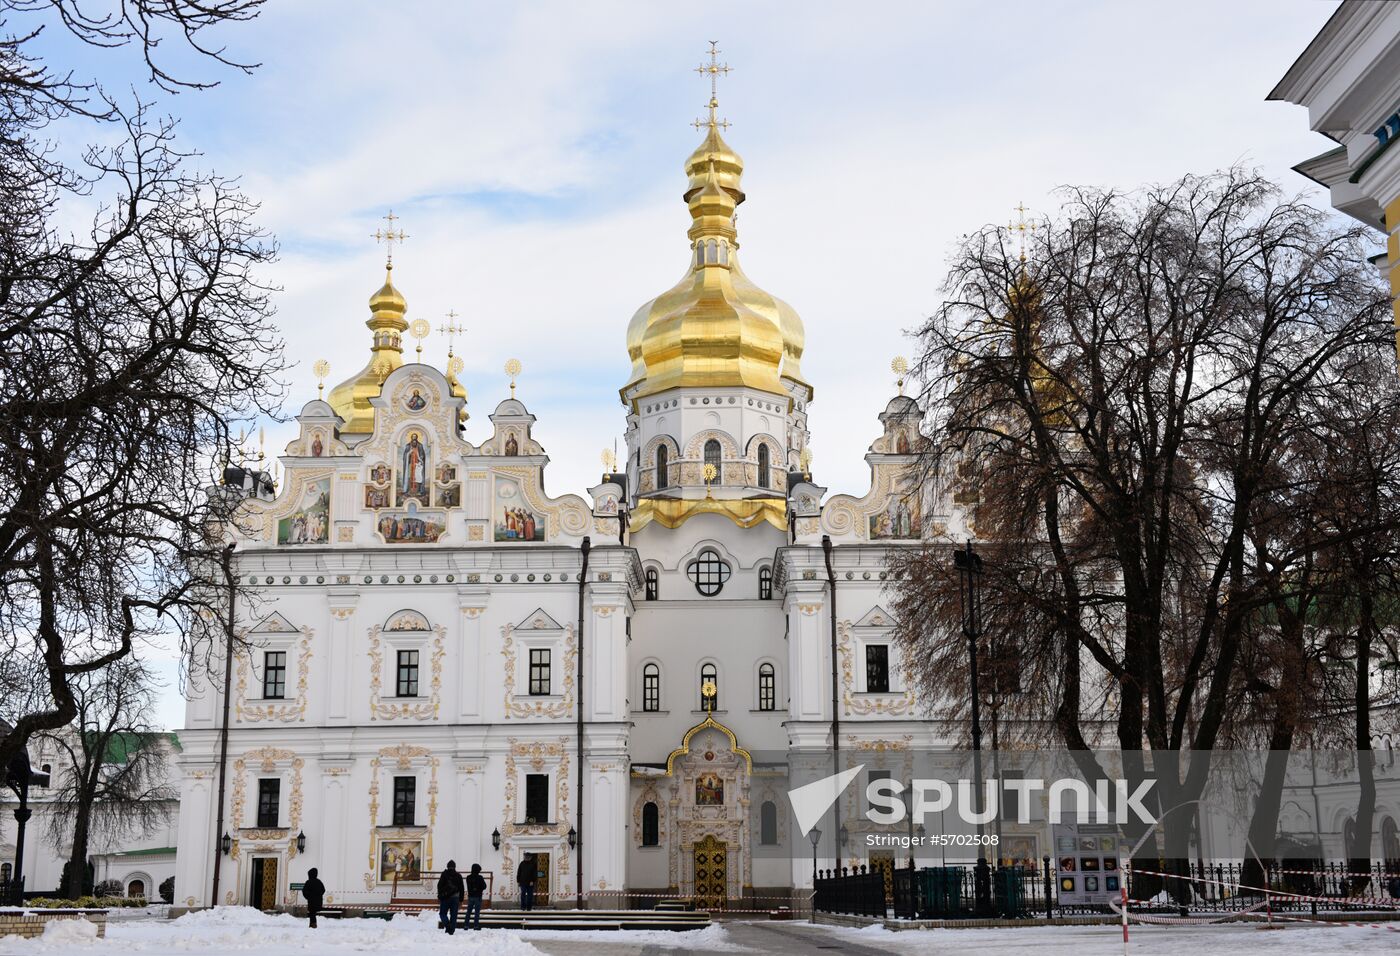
781 938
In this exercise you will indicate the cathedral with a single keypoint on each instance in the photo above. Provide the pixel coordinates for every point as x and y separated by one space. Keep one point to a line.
443 661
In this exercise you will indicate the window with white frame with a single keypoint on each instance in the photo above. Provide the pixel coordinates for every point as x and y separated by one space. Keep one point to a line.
406 683
767 687
709 676
539 672
877 668
274 675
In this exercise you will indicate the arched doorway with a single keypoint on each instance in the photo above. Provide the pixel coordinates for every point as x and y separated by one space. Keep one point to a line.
136 888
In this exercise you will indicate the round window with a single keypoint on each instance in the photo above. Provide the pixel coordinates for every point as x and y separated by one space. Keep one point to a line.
709 572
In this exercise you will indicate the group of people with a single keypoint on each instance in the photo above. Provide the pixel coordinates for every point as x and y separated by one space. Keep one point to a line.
452 888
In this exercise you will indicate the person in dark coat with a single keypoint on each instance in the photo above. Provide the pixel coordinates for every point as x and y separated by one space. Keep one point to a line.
315 892
525 879
476 889
450 892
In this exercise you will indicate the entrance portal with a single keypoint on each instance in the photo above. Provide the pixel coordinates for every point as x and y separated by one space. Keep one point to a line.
711 859
263 890
541 878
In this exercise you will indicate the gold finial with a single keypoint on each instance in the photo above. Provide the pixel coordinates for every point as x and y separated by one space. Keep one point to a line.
513 370
420 330
389 236
455 365
451 329
1021 227
714 70
899 366
804 461
710 473
381 369
708 690
321 369
609 459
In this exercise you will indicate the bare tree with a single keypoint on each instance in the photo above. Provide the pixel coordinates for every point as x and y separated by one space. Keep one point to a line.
1117 406
111 783
130 355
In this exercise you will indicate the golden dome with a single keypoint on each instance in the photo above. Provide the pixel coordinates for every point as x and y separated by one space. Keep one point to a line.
714 327
351 398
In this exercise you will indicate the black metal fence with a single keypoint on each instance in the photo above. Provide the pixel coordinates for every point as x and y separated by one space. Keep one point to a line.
1016 892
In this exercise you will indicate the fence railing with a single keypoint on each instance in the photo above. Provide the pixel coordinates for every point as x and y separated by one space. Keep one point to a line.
1015 892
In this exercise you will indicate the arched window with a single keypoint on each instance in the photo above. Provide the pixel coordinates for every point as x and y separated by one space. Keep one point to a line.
768 823
651 824
764 478
653 584
712 453
709 572
651 688
1390 842
765 583
767 687
661 474
136 888
709 675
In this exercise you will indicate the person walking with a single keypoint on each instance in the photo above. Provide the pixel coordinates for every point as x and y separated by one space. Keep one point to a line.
315 892
525 879
476 888
450 892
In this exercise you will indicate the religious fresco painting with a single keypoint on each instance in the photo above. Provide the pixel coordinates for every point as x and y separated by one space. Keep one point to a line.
413 468
449 496
446 473
401 858
376 497
411 526
514 520
709 790
379 474
899 518
416 402
316 446
310 523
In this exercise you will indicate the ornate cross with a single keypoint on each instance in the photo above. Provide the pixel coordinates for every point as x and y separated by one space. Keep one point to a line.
1021 227
390 236
451 329
714 69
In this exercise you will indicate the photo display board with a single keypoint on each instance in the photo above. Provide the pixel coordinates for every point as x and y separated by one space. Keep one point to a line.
1087 861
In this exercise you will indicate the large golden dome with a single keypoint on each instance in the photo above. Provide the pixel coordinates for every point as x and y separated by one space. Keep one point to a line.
714 327
350 398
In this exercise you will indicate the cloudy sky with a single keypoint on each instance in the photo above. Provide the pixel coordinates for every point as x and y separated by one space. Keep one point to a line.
534 151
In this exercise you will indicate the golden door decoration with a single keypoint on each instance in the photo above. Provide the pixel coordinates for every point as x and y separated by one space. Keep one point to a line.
711 872
884 863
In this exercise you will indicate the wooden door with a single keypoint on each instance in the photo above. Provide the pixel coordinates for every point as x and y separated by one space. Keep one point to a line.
711 859
541 879
263 891
884 863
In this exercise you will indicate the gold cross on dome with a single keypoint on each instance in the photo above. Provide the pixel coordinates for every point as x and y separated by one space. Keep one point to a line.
1021 227
389 236
714 70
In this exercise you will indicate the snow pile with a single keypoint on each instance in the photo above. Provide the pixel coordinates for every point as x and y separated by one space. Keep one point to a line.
241 929
69 932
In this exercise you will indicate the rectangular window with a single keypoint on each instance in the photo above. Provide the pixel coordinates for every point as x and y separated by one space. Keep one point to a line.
269 792
877 668
405 797
275 675
407 685
539 671
871 776
537 798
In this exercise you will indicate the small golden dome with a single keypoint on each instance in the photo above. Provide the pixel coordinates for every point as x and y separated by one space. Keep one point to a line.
714 327
351 398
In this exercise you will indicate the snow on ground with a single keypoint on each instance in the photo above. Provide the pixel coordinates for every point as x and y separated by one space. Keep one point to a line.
1233 939
711 939
233 929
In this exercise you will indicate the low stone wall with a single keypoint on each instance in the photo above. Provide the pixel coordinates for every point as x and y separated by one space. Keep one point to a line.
31 923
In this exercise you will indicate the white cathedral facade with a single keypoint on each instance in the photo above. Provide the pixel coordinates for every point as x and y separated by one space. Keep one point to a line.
429 632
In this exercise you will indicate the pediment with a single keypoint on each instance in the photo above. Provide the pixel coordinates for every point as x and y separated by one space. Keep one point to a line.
274 623
876 617
539 620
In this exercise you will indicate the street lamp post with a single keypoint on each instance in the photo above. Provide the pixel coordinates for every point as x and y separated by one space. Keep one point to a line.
969 566
816 837
19 777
